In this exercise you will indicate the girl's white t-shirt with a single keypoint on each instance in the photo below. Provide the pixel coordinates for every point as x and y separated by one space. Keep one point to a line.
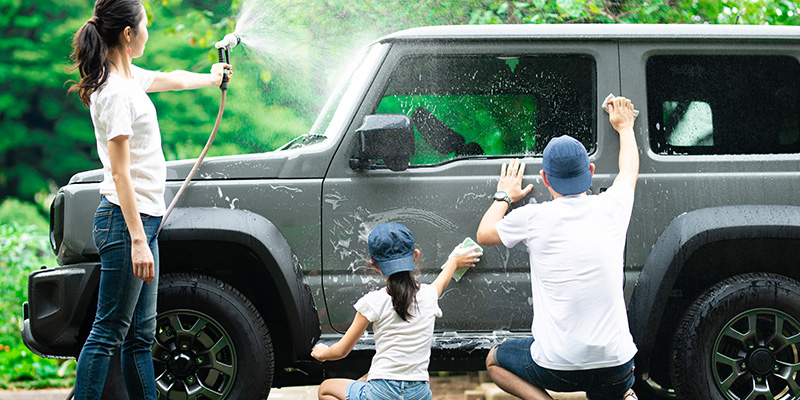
121 107
402 348
576 245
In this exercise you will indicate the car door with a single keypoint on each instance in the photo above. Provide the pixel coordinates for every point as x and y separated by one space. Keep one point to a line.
474 106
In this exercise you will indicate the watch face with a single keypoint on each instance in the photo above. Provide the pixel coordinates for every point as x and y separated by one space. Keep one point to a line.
501 196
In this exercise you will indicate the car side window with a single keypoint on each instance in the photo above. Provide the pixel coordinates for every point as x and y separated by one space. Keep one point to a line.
730 104
480 106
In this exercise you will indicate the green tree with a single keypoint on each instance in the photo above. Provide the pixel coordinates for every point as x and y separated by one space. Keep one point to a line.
45 135
295 54
782 12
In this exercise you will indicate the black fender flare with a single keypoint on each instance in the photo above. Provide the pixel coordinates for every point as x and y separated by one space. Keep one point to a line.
267 242
682 237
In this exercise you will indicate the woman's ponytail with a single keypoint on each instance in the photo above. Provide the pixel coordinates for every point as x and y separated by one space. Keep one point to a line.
95 39
90 57
402 287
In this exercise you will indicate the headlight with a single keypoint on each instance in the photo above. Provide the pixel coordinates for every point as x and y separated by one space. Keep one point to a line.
57 222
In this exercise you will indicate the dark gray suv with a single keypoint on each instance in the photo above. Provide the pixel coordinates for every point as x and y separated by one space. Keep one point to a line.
266 253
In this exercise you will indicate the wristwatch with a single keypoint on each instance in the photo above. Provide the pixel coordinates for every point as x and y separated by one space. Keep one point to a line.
502 196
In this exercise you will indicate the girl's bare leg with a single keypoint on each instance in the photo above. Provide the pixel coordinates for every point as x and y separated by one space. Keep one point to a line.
333 389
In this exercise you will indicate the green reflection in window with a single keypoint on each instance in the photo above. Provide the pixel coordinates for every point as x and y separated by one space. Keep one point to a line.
502 124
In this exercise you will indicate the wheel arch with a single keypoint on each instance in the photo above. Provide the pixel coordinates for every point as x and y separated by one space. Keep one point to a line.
266 270
683 247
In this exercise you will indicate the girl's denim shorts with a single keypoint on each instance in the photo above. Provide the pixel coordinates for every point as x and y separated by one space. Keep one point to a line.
383 389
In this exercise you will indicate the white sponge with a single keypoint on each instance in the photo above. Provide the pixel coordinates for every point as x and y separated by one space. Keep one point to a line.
611 97
468 245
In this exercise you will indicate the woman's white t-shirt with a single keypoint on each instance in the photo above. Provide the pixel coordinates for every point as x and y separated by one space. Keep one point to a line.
576 246
121 107
402 348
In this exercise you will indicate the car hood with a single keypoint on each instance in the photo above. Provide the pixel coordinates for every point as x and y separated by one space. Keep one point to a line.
307 162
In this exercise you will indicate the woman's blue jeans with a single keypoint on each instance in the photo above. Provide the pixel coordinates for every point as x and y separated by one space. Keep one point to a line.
126 311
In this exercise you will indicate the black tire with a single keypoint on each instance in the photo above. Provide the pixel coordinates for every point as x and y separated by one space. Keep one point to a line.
198 315
228 318
740 340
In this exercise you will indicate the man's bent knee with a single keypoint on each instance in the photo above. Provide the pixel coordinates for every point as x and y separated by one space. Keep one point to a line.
490 357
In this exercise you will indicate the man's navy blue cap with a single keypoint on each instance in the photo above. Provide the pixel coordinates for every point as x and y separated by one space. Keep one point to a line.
566 164
391 246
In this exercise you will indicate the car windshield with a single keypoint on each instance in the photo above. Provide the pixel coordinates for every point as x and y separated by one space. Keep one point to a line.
341 104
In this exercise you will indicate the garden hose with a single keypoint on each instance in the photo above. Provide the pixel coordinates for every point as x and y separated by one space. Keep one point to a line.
199 159
223 49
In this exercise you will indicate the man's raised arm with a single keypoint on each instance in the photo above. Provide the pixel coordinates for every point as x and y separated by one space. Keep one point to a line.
621 118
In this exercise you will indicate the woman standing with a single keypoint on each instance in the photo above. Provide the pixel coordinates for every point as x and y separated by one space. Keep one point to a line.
134 175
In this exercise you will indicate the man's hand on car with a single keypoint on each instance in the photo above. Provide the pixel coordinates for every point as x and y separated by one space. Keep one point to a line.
621 113
511 180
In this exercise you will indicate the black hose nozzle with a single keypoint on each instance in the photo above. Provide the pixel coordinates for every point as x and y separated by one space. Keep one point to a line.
224 57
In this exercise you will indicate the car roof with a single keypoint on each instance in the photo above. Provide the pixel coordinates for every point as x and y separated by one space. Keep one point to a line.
596 31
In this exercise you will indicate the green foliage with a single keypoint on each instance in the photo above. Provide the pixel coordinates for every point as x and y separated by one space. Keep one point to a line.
282 76
282 79
23 249
783 12
35 148
13 211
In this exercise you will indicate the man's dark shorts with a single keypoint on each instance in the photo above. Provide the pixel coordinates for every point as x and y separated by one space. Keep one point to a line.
599 384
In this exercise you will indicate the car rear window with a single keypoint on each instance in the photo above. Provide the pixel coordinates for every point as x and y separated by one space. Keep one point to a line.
471 106
727 104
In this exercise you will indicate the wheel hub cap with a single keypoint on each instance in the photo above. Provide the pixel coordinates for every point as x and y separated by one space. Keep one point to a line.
761 361
181 365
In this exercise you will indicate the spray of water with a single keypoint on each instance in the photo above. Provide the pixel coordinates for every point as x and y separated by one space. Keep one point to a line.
265 31
296 52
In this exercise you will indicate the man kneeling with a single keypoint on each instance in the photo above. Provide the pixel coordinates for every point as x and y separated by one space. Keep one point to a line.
581 340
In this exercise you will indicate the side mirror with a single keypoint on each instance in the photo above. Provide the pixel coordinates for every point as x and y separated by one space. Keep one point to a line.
389 137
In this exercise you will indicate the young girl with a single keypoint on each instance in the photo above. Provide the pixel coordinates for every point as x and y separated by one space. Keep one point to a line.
402 315
134 175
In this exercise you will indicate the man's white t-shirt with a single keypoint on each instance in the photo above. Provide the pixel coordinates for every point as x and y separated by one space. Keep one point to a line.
121 107
576 246
402 348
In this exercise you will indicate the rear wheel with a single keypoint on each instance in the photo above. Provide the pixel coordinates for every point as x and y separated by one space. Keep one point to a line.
740 341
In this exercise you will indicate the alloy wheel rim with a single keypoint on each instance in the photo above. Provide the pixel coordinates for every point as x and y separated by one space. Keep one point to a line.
757 356
193 357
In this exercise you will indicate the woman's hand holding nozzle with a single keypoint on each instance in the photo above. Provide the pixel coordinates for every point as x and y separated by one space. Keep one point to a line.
219 70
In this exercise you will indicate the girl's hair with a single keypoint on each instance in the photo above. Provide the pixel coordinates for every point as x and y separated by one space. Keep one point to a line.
93 41
403 288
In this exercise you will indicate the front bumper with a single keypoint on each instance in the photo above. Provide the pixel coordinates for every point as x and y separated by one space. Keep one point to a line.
60 309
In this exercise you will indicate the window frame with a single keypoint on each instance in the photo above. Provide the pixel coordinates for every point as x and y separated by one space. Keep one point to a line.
658 142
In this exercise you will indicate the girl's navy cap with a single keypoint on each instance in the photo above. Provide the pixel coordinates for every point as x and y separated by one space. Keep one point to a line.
391 246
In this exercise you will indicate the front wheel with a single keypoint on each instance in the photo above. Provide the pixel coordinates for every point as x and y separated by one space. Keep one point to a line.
740 341
211 342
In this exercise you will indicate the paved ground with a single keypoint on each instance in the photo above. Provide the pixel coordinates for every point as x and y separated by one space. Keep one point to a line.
443 387
296 393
